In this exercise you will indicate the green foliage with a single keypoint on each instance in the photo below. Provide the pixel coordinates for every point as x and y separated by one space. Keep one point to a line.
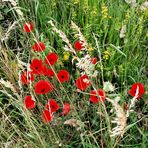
126 64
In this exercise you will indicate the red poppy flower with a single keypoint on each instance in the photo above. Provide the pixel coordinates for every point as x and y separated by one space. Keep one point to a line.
36 66
98 96
29 102
43 87
63 76
137 87
39 47
47 72
78 45
83 82
66 109
51 58
94 60
28 27
52 105
47 116
27 77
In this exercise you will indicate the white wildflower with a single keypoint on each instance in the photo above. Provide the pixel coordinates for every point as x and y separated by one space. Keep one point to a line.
108 87
131 2
144 6
123 31
117 99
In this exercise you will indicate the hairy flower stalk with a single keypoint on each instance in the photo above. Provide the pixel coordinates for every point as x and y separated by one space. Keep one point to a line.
132 103
79 35
86 66
63 36
84 63
120 120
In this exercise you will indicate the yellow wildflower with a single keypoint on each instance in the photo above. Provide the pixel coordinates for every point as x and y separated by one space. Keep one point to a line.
90 48
106 55
104 11
94 12
66 56
76 2
74 14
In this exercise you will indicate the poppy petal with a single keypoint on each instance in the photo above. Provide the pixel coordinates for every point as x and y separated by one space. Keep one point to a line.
27 77
28 27
66 109
39 47
63 75
51 58
52 105
43 87
29 102
78 45
36 66
134 88
47 116
98 96
83 82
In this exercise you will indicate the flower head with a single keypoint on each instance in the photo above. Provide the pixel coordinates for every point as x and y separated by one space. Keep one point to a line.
66 109
63 75
78 45
43 87
137 87
108 87
27 77
29 102
98 96
36 66
83 82
39 47
47 116
52 105
28 27
51 58
94 60
47 72
66 56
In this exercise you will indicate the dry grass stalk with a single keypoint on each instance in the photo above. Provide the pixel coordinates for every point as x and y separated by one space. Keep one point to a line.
7 34
120 120
15 6
79 35
7 84
132 103
63 36
87 66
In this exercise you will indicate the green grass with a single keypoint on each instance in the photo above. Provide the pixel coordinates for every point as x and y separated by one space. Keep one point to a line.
125 66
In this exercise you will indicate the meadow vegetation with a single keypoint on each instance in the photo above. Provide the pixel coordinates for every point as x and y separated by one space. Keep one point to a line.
73 73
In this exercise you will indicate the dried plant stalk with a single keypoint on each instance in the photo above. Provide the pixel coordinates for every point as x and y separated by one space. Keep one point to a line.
120 120
79 35
63 36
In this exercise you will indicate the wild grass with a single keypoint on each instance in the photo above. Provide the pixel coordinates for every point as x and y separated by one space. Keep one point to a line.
123 62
